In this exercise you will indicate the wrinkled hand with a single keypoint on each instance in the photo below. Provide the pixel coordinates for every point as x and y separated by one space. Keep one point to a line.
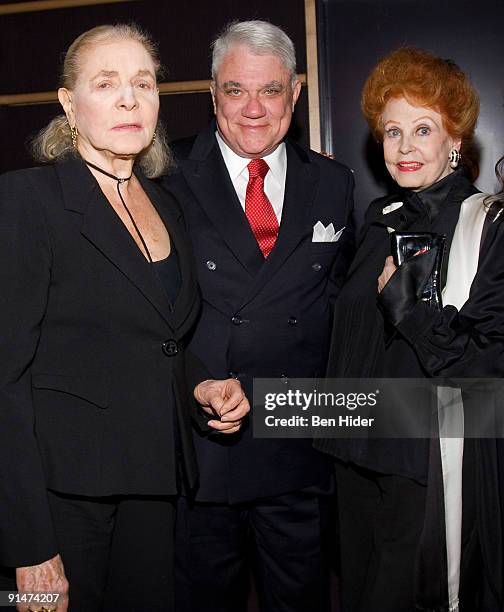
224 398
47 577
388 269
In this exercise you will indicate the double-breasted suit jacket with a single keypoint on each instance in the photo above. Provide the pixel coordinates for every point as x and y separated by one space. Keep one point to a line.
262 318
91 353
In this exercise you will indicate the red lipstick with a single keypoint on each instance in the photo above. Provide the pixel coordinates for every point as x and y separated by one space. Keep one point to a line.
409 166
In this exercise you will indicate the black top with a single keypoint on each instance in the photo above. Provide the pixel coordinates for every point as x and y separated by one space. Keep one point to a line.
168 272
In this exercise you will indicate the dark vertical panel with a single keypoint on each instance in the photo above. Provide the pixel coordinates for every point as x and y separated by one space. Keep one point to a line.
359 32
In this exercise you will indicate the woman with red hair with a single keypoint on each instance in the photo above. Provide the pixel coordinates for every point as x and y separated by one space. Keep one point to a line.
405 543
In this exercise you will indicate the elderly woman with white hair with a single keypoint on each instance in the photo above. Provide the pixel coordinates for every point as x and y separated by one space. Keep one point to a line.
99 296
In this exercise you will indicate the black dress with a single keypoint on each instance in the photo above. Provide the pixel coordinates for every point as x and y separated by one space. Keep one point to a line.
382 484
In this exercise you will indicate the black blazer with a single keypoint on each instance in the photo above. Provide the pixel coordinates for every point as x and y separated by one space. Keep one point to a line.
262 318
91 353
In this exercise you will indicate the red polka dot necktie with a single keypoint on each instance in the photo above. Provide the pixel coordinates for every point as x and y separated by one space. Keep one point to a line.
258 208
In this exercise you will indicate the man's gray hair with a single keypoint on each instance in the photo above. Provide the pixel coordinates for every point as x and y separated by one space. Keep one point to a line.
261 37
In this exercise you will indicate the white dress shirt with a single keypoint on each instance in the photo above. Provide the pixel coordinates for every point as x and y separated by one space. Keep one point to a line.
274 182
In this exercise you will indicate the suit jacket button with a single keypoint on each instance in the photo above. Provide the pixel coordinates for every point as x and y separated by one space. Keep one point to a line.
284 378
211 265
237 320
292 321
170 347
317 267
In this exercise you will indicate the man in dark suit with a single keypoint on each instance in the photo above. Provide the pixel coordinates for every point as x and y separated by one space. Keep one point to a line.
251 200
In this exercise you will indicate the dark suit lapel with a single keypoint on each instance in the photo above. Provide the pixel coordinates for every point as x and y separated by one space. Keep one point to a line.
102 227
300 188
209 181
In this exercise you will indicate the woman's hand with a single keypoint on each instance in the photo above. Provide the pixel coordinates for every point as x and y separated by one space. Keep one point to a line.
47 577
224 398
388 269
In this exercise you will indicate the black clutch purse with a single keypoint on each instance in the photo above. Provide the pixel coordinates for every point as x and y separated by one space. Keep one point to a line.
406 245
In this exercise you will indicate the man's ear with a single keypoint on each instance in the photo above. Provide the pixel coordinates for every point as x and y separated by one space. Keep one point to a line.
65 99
296 90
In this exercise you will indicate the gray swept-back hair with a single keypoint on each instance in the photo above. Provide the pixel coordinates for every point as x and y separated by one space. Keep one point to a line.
261 37
54 141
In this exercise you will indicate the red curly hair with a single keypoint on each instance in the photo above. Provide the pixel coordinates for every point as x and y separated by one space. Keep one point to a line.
423 80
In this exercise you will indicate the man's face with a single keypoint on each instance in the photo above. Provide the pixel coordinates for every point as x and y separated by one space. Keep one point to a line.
253 98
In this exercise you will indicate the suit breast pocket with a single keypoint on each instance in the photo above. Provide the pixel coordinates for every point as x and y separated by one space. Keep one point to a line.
322 255
324 247
94 388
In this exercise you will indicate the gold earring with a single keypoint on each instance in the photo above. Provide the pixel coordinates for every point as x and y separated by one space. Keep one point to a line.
73 135
153 138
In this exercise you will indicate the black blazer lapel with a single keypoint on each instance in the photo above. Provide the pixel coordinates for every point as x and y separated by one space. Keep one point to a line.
208 178
300 189
103 228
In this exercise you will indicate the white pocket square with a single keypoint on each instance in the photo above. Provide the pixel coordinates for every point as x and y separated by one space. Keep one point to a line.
325 234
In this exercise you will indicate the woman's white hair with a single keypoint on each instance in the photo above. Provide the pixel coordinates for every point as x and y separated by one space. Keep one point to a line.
261 37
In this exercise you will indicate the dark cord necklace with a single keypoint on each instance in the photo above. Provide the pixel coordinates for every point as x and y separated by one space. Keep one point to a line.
120 181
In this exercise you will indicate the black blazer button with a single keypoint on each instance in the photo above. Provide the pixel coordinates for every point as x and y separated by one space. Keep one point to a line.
170 348
211 265
292 321
237 320
317 267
